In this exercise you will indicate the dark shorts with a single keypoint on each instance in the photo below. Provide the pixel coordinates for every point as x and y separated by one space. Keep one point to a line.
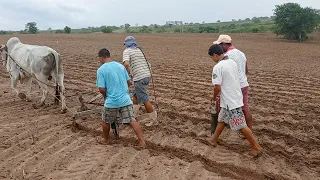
140 90
235 118
122 115
245 95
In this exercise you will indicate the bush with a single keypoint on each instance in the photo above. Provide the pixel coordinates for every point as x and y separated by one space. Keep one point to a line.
239 30
190 30
23 31
256 20
105 29
160 29
3 32
145 29
254 30
208 29
59 31
177 30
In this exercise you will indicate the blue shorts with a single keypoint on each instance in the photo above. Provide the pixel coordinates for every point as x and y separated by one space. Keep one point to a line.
140 90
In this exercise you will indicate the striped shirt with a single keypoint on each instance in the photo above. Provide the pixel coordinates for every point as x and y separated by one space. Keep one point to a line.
138 64
240 58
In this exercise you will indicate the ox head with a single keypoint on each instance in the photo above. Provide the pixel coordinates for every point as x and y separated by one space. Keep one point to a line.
6 49
4 54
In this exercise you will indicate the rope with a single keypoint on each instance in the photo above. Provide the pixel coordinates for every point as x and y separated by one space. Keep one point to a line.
154 91
30 73
68 109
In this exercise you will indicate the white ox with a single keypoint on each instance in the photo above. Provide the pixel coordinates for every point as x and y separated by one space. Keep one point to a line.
24 61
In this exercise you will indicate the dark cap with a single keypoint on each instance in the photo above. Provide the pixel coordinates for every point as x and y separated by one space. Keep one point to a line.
104 53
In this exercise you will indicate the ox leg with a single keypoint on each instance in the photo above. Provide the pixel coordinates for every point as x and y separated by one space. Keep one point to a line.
62 93
44 88
29 83
14 81
44 93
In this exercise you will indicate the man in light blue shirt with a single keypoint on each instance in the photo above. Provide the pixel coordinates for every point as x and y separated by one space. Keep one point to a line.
113 82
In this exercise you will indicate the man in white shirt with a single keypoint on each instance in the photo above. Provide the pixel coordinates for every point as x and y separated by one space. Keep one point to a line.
225 78
239 57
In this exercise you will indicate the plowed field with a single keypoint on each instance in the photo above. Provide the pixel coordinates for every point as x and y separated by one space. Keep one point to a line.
284 99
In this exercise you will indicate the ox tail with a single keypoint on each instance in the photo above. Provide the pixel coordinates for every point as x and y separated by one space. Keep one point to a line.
58 76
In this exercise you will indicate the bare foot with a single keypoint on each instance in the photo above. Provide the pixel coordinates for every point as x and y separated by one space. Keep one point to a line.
213 144
142 144
221 142
102 141
255 153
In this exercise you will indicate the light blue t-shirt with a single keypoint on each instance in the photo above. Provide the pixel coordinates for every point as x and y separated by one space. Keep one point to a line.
113 76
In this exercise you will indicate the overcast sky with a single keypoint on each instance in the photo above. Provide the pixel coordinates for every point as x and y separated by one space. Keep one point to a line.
14 14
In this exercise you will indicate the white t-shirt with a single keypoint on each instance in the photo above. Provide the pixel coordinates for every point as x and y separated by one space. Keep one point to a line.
225 73
240 58
138 64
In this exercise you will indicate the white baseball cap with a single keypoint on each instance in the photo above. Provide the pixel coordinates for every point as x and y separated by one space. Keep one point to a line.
223 39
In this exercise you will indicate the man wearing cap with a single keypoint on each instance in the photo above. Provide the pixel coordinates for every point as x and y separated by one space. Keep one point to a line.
239 57
136 63
225 78
113 81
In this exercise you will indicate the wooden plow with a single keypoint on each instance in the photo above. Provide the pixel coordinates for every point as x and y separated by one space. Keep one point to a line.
84 110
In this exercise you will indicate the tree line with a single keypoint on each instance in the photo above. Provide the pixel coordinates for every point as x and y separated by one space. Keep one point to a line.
290 20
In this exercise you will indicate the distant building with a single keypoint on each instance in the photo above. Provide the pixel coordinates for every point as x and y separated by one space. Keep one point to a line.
174 23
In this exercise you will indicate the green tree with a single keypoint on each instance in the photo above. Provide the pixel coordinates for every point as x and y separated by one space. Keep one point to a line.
67 30
31 27
145 29
126 27
256 20
106 29
295 22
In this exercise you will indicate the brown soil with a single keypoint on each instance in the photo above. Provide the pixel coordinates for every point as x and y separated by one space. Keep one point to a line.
41 143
